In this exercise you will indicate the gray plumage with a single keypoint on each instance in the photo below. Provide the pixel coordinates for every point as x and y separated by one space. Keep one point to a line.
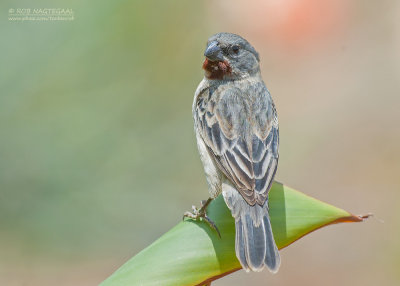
237 134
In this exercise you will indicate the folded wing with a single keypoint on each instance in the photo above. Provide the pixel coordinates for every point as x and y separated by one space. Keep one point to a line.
240 130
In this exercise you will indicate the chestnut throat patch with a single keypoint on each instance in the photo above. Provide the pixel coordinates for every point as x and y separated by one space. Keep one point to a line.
217 69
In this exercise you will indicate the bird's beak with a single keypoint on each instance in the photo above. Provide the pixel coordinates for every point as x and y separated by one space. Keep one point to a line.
213 52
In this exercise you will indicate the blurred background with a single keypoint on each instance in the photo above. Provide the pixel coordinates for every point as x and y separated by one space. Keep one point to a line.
97 149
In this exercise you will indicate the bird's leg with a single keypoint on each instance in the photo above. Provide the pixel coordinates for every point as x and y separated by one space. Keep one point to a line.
201 213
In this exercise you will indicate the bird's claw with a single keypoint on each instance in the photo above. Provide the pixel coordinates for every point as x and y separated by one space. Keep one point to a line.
201 213
212 224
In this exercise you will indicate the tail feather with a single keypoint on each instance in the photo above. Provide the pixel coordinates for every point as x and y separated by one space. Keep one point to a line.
240 247
255 245
272 257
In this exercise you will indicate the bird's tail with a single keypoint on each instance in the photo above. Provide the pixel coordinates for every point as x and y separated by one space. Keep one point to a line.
255 245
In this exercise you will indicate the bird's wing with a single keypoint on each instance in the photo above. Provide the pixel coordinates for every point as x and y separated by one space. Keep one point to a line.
241 134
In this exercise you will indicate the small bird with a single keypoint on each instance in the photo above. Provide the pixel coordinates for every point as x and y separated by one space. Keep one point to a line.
237 134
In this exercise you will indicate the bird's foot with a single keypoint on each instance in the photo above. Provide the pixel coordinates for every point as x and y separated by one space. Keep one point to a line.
198 213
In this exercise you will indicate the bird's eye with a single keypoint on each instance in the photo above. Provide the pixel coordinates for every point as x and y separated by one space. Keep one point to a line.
235 49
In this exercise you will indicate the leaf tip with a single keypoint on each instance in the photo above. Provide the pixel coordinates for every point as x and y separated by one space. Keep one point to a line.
353 218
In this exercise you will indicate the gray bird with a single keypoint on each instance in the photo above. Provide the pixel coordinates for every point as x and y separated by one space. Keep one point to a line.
237 135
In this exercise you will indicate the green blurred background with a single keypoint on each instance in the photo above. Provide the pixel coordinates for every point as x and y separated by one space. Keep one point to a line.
97 151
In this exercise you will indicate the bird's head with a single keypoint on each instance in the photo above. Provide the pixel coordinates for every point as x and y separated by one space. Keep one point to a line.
230 57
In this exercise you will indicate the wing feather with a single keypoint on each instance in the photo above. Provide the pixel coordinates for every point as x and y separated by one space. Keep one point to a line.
241 133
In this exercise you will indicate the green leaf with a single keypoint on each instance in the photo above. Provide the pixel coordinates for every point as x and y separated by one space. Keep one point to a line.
192 253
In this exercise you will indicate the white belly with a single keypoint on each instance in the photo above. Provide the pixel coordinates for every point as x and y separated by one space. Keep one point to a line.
213 174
